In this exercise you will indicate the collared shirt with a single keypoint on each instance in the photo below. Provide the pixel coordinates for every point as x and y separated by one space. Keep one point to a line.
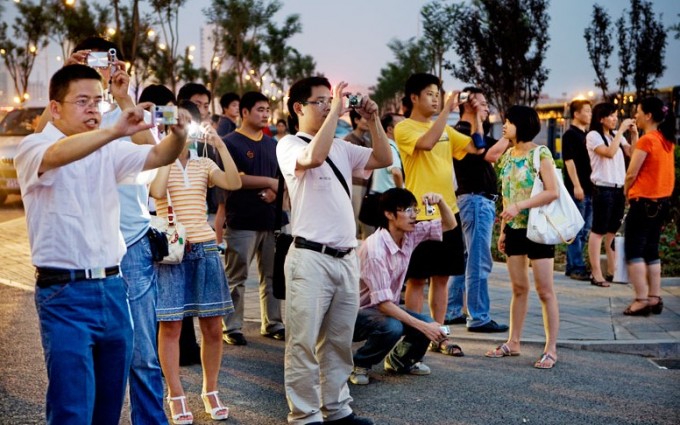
321 210
72 211
384 263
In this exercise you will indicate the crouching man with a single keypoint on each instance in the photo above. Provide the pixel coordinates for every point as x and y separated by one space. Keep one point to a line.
384 257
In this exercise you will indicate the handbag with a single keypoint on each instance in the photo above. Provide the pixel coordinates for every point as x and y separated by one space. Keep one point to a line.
369 213
618 245
557 222
284 240
174 232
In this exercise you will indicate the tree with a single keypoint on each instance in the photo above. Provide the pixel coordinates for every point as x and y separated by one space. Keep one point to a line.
30 34
642 48
439 30
71 24
598 43
503 48
167 60
410 56
676 28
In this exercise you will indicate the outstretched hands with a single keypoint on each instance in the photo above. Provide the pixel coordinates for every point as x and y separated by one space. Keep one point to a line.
132 121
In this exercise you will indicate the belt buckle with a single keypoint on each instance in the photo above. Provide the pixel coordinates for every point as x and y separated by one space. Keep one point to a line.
96 273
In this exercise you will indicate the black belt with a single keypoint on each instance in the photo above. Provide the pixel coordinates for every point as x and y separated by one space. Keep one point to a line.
46 276
324 249
489 196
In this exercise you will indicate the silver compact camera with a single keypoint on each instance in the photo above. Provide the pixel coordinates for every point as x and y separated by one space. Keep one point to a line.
429 209
445 330
101 59
463 96
166 115
353 101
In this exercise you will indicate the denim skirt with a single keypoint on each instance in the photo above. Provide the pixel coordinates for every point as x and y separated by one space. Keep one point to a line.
196 287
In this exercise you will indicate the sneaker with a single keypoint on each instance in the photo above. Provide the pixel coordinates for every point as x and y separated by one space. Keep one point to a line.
235 339
491 327
420 369
351 419
457 321
279 335
583 276
359 376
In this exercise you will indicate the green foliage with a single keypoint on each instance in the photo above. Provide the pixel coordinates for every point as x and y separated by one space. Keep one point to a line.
71 24
439 30
502 49
599 45
167 61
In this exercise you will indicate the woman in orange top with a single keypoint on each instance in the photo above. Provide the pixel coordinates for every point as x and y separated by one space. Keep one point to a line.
648 186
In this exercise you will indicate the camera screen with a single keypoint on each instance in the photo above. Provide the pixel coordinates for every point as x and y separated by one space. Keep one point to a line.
98 60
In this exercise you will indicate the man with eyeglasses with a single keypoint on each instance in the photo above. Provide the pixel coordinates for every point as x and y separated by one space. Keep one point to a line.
384 258
476 193
68 174
321 269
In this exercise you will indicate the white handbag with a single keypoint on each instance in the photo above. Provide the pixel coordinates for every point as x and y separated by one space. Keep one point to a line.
557 222
175 232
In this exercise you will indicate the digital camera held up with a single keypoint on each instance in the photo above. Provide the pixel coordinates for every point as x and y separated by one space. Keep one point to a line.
166 115
353 101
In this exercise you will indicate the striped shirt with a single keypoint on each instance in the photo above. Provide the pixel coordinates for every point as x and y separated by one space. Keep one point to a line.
188 188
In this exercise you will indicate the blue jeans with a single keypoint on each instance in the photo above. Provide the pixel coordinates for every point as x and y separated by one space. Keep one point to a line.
477 215
146 382
87 339
382 333
575 261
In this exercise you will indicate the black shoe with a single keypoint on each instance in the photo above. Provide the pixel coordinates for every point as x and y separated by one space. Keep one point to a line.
235 339
279 335
352 419
584 276
491 327
457 321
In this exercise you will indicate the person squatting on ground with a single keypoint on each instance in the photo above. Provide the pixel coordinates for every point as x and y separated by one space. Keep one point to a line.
197 286
649 184
250 219
426 148
476 195
384 258
577 181
606 149
517 175
67 174
321 268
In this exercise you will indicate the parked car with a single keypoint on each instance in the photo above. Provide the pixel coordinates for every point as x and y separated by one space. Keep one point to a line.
16 125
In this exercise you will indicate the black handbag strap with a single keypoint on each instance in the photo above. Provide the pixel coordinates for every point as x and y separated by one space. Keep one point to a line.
337 172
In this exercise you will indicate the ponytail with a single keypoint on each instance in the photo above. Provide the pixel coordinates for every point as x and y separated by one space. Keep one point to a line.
661 115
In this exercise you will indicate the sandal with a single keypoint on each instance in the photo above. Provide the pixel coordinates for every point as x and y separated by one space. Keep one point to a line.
545 362
446 347
644 311
601 284
184 417
658 307
218 413
501 351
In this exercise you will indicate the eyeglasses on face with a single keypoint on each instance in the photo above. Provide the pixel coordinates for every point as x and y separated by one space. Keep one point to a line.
321 103
409 210
85 103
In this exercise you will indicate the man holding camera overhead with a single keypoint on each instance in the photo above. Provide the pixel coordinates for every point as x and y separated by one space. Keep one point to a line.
321 269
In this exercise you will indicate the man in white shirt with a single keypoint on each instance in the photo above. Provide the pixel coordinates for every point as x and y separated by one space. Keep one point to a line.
321 269
68 175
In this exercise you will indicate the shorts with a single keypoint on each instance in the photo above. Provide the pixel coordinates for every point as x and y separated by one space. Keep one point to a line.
439 258
517 243
643 229
608 206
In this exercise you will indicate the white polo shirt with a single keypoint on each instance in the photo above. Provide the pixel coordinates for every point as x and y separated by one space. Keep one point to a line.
321 210
606 171
72 211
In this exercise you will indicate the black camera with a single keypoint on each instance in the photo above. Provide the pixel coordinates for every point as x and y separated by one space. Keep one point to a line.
353 101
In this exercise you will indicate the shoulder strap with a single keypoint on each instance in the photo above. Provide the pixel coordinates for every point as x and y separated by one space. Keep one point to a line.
279 204
337 172
537 160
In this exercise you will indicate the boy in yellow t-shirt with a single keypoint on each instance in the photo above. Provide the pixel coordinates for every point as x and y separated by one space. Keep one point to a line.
427 148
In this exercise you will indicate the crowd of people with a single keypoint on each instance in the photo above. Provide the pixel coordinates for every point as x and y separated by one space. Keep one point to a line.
114 318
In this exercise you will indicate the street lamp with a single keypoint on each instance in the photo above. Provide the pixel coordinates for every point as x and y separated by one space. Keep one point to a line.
70 2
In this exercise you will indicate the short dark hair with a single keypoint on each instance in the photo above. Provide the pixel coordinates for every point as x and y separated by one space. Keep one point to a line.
354 116
249 99
387 120
662 115
98 44
192 108
576 106
417 83
282 121
190 89
61 80
471 90
601 110
227 98
300 92
158 94
392 200
525 120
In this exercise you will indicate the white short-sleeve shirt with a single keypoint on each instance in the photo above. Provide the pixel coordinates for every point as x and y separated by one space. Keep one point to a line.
607 171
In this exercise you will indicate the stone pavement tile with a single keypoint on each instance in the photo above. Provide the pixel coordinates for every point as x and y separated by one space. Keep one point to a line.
621 333
646 335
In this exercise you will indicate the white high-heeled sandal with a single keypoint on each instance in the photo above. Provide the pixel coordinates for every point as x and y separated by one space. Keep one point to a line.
214 411
187 415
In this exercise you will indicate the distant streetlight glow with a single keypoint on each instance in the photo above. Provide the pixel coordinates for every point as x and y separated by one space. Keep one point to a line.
162 46
151 33
32 49
111 31
26 96
16 98
591 93
70 2
3 51
190 57
58 58
192 48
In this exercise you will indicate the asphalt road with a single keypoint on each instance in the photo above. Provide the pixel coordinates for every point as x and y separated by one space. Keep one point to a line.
584 388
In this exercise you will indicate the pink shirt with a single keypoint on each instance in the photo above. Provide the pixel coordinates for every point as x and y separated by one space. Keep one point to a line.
384 264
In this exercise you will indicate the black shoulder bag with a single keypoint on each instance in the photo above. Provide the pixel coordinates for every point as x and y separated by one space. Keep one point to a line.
284 240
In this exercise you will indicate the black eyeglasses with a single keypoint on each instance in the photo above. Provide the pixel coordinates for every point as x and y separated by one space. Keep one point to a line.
321 103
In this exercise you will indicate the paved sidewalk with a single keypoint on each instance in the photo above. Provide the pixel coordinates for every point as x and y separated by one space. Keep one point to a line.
590 317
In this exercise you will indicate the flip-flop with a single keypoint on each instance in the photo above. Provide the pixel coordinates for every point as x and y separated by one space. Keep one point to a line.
501 351
540 363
